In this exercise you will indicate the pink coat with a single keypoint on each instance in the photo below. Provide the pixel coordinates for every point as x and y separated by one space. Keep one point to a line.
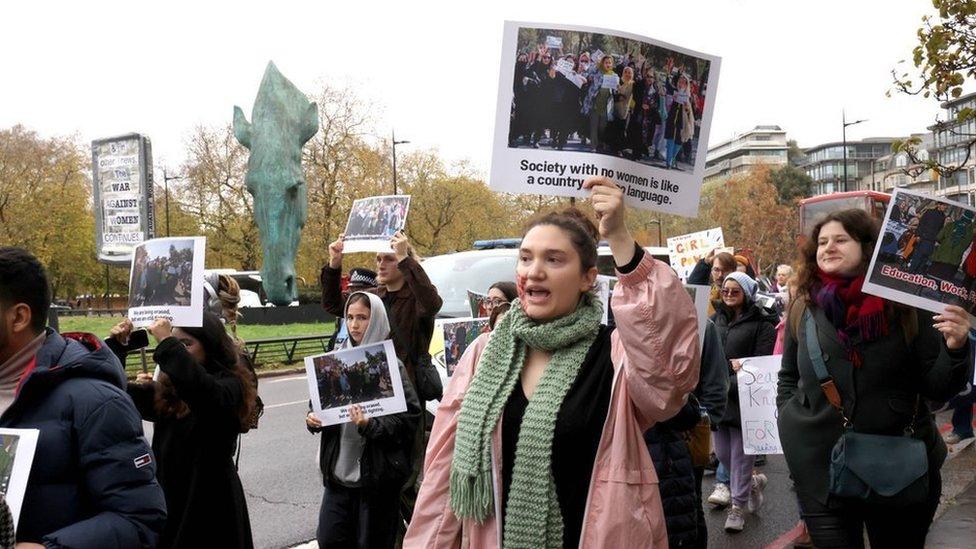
655 354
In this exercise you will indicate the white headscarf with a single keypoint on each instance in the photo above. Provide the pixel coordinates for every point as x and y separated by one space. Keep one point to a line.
379 324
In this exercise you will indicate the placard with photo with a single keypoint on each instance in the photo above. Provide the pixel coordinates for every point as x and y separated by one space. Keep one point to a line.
16 457
166 281
368 375
373 221
458 335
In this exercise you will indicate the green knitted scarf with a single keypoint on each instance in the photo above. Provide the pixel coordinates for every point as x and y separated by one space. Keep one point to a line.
532 517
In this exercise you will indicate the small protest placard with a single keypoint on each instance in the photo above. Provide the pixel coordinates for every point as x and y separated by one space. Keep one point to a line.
166 281
477 302
925 255
686 250
373 221
554 42
458 335
603 284
565 67
368 375
16 457
757 404
651 176
610 82
699 296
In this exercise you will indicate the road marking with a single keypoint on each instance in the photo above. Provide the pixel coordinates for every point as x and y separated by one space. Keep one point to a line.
286 404
787 538
287 379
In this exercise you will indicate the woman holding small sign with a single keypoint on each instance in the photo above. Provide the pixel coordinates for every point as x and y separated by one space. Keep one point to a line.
546 417
858 372
365 462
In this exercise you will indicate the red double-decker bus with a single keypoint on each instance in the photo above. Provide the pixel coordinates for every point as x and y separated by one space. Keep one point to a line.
812 209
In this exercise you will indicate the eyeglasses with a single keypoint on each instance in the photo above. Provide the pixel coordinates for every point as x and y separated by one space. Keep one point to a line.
731 292
495 301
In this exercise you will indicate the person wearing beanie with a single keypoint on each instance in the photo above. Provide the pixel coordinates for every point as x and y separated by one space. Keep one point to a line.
745 329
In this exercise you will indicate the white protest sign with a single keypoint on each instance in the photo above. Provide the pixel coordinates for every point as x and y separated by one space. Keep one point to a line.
603 292
905 270
123 196
16 457
578 79
757 404
554 42
522 165
610 82
699 295
367 375
686 250
166 281
597 56
373 221
565 67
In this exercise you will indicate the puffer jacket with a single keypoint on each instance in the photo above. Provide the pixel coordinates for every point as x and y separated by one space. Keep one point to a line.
93 480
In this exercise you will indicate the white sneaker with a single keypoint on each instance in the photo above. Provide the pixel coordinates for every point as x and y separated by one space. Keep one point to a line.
735 521
721 496
756 498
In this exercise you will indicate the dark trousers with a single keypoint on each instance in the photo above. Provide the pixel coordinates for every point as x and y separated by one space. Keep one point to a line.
842 522
699 511
358 517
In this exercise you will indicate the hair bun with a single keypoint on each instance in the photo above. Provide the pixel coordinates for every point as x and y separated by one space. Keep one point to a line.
584 220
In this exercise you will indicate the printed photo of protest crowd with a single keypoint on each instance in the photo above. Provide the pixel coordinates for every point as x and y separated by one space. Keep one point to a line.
8 452
928 249
351 377
590 92
161 274
377 217
457 337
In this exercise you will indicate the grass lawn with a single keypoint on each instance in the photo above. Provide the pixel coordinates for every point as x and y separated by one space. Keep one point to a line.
100 326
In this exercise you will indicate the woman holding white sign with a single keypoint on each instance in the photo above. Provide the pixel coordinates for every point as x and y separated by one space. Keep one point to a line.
746 330
366 461
857 373
538 441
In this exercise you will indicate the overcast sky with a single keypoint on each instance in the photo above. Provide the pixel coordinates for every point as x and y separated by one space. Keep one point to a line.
430 70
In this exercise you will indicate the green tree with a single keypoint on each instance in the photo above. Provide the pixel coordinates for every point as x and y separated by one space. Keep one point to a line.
944 62
791 184
794 154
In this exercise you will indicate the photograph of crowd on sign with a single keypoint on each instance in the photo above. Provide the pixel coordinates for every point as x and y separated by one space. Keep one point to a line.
478 302
580 101
372 221
367 375
594 92
458 334
926 254
16 458
166 279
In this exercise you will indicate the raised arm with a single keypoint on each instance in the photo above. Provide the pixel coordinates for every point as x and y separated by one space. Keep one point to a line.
331 280
414 277
942 371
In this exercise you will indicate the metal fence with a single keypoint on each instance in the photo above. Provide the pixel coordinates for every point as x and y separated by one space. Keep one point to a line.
263 352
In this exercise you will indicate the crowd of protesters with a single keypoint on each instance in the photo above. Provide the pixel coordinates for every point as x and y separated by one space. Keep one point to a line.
555 430
621 105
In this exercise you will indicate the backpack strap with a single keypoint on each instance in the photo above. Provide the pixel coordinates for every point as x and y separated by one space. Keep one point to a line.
815 353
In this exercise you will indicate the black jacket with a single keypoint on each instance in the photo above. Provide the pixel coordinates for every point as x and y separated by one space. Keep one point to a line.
752 334
713 378
676 475
700 274
93 480
879 397
206 502
389 444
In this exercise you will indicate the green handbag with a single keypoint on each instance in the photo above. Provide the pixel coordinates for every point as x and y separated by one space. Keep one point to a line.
882 469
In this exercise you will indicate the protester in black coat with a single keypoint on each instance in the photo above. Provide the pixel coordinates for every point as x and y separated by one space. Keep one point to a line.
884 360
676 477
366 461
198 407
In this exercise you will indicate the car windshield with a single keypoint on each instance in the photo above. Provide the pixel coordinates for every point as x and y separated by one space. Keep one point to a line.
454 275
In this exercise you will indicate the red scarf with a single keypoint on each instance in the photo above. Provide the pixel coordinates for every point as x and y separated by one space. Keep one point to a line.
850 310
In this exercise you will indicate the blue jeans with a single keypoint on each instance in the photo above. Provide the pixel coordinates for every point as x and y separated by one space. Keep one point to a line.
722 474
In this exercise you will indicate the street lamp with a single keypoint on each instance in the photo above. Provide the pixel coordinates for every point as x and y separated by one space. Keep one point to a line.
166 178
395 143
843 117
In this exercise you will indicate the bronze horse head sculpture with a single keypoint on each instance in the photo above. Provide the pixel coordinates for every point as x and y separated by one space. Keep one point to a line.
282 120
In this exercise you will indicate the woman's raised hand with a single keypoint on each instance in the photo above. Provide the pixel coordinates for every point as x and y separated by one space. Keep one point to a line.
121 331
608 202
161 328
954 325
357 416
335 252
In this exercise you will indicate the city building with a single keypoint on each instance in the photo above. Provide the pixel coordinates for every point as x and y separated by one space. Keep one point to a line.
896 170
953 147
760 145
825 163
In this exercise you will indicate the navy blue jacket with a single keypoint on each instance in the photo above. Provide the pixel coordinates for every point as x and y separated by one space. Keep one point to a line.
93 480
